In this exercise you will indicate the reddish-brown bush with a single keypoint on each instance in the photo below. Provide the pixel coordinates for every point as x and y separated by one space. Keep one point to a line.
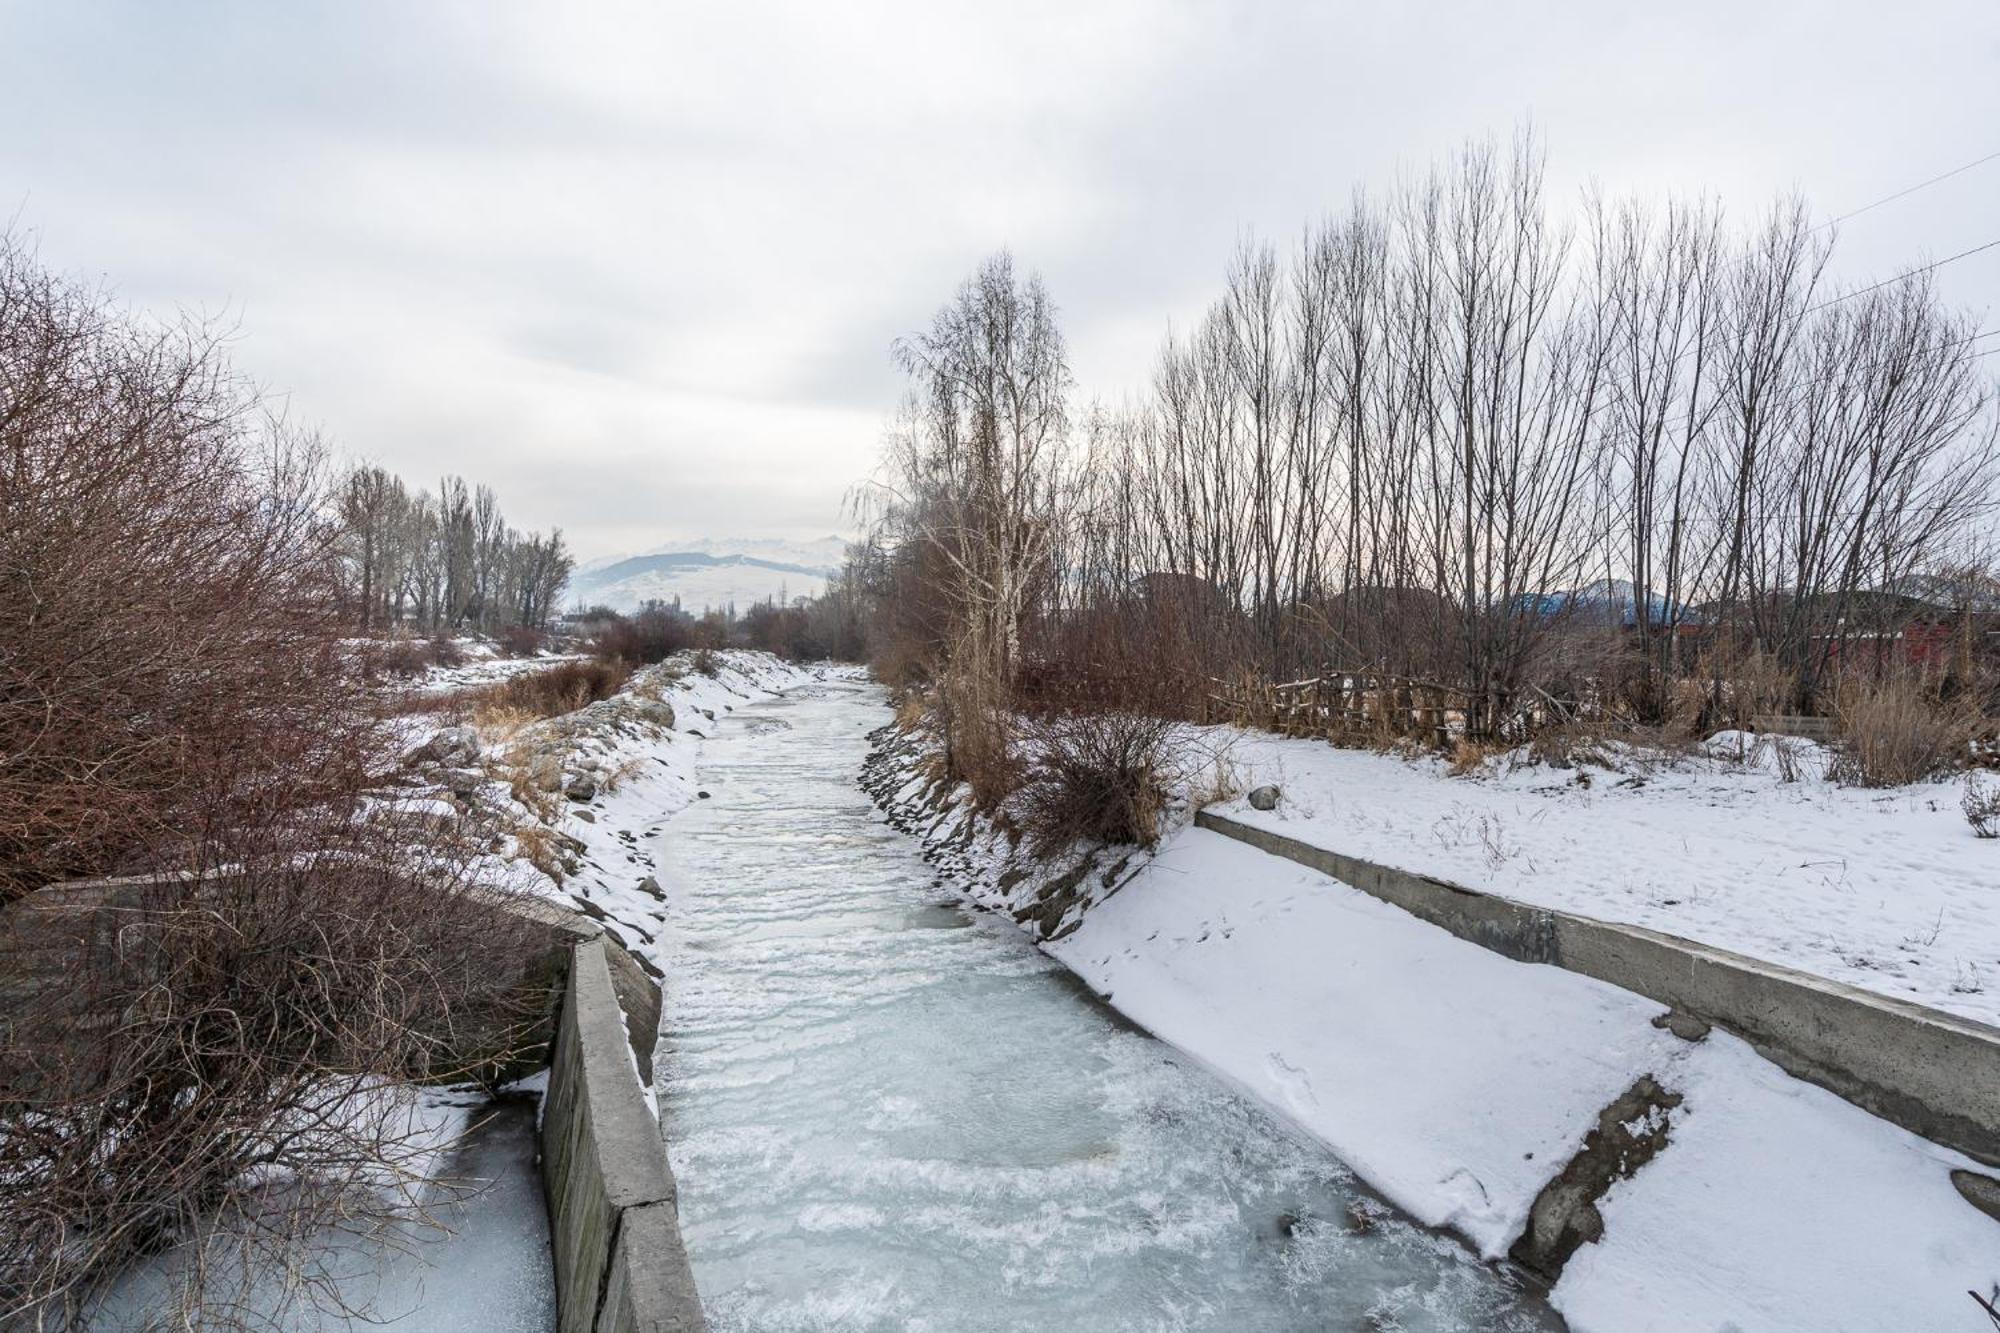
653 635
521 640
176 696
407 657
1099 778
170 652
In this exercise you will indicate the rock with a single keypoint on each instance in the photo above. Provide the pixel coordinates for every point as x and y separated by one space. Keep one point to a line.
585 816
1982 1192
1264 798
581 787
701 795
1683 1025
656 711
1630 1132
651 886
461 781
450 746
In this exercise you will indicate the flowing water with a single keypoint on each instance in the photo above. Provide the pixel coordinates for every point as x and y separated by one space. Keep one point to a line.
886 1113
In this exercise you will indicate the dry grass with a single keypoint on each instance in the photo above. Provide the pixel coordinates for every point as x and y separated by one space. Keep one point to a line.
516 767
619 776
1895 731
1218 781
502 709
540 845
1469 757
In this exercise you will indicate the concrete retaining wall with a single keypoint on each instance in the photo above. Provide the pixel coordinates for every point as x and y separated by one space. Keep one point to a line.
1930 1072
620 1265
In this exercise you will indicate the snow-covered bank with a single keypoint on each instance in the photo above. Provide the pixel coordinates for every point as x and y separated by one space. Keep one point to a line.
620 769
1460 1083
1889 890
568 807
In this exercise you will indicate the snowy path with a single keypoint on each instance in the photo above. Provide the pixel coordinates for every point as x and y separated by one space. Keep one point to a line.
886 1114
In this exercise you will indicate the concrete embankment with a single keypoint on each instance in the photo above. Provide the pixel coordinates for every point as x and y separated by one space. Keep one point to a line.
1932 1073
620 1265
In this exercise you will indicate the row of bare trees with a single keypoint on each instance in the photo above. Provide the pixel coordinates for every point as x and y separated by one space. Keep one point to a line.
442 561
1443 435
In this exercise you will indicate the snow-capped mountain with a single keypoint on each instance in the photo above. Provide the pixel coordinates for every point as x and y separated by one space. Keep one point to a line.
709 572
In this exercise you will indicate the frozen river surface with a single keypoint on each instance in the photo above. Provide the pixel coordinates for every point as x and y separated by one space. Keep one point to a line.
886 1113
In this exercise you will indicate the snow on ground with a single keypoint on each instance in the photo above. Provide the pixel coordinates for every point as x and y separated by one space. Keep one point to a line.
483 666
1887 890
1361 1024
1459 1083
1779 1206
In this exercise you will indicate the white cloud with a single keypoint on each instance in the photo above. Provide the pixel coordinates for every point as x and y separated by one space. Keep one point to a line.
638 266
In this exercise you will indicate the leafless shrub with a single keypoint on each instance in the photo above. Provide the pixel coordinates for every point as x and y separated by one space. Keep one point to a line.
170 654
521 640
1981 805
221 1067
1569 744
651 635
1096 778
504 707
1895 731
404 657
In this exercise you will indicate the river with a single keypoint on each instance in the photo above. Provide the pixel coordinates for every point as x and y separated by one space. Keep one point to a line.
886 1112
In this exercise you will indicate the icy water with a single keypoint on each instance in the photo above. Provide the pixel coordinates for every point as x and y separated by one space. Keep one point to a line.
886 1113
484 1267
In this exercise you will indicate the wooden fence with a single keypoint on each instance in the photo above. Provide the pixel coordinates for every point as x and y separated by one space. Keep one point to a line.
1343 706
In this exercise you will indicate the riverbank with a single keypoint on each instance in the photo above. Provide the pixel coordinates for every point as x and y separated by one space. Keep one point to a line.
1461 1083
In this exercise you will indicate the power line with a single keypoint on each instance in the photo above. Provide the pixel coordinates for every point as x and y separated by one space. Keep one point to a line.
1892 198
1925 268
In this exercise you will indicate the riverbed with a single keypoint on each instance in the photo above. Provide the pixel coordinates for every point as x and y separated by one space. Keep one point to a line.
888 1112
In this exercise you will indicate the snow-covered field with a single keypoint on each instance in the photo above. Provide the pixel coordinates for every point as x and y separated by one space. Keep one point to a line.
1459 1083
1888 890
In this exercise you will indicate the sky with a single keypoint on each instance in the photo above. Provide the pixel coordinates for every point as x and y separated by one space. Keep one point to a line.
639 267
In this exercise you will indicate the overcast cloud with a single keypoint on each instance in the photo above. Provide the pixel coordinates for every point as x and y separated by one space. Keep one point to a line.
639 267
